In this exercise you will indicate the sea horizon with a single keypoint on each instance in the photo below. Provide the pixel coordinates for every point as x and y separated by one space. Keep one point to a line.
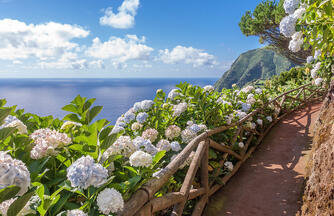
46 96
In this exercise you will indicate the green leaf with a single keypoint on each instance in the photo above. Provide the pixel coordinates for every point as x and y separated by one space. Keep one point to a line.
8 192
4 113
19 204
131 169
133 181
3 102
72 117
70 108
108 141
158 157
88 104
6 132
92 113
78 100
59 205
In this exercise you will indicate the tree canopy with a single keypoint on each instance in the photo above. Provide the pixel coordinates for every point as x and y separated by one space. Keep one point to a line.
264 22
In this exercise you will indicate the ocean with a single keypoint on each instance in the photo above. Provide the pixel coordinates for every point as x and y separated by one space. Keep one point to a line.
47 96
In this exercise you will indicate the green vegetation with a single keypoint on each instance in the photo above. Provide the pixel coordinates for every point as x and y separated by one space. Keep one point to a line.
252 65
264 22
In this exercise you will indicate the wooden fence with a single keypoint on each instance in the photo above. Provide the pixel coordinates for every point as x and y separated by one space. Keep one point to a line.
144 202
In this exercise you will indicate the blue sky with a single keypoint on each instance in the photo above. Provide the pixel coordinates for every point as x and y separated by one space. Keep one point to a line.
121 38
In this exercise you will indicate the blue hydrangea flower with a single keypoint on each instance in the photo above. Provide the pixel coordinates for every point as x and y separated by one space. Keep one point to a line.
142 117
84 172
195 128
175 146
129 116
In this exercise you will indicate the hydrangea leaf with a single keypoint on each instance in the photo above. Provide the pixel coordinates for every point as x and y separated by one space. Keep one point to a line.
8 192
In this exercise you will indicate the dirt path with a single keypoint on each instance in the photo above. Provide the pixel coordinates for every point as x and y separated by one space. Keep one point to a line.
270 183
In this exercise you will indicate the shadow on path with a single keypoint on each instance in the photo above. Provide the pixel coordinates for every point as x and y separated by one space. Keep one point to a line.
270 183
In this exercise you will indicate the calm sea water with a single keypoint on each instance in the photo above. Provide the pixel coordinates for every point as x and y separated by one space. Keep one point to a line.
48 96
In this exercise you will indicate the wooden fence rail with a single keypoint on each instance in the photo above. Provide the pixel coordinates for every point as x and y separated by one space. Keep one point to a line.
144 203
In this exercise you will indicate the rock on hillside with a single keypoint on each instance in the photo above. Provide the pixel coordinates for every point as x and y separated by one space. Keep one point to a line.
255 64
319 191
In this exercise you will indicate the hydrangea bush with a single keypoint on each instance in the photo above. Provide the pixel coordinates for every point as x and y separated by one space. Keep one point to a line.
82 166
309 23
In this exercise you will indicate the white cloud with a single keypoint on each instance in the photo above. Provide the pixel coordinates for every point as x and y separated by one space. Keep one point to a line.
68 60
98 63
119 50
51 40
125 18
188 55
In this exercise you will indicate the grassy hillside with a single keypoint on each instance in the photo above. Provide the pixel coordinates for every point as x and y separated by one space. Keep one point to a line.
252 65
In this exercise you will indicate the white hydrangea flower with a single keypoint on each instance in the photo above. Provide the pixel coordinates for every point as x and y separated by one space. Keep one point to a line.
269 118
317 54
69 124
309 59
318 81
110 201
140 159
137 106
229 165
288 25
189 123
145 145
315 69
179 109
164 145
290 6
187 135
258 91
116 129
220 100
13 172
241 144
150 134
251 125
240 114
84 172
249 96
299 12
76 212
143 105
172 132
4 206
229 118
296 42
47 142
146 104
247 89
120 122
123 145
12 121
202 127
175 146
208 88
173 93
259 121
136 126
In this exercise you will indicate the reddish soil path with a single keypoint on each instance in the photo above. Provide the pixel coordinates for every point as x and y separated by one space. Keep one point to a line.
270 183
